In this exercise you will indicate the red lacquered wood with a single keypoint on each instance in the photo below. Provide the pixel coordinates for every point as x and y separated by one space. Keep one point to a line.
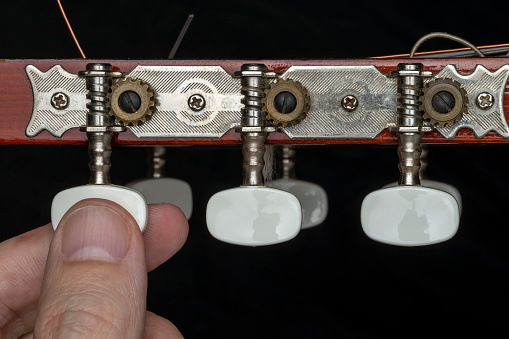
16 101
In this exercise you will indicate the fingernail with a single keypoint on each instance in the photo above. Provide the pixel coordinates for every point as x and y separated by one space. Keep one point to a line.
94 233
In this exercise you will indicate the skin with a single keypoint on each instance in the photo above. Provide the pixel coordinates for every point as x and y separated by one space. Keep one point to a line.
44 293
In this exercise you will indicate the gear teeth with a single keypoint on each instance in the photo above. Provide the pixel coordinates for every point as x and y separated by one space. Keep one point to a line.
443 119
292 118
148 102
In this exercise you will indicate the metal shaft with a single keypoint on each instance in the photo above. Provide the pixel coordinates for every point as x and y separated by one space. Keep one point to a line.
156 161
287 163
253 143
409 115
424 162
409 152
99 148
253 149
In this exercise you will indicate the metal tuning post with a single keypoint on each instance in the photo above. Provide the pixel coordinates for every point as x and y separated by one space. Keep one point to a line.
312 197
99 129
410 214
158 188
253 214
426 182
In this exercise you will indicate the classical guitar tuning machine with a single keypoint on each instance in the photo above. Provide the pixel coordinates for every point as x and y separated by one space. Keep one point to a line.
254 214
99 132
410 214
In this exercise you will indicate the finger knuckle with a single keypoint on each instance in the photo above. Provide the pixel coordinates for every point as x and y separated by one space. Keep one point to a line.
86 317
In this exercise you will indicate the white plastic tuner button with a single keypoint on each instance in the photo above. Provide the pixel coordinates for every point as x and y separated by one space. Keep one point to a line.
254 216
312 197
444 187
438 185
128 198
410 215
166 190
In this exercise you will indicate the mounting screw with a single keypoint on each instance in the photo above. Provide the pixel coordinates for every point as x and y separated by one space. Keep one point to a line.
349 103
59 100
443 102
485 100
196 102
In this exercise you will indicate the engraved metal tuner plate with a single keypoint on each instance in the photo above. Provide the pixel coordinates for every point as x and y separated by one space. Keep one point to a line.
480 120
59 101
193 101
205 101
369 110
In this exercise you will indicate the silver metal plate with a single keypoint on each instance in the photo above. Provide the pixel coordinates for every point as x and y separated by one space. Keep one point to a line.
478 120
174 85
44 115
327 85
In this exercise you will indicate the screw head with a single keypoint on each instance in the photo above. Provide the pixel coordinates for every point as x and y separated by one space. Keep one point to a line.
485 100
349 103
285 102
443 102
59 100
129 101
196 102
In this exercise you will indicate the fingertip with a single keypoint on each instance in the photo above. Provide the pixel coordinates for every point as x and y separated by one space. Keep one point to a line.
159 327
165 234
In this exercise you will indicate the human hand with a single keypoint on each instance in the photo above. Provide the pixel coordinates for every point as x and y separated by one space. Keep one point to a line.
93 282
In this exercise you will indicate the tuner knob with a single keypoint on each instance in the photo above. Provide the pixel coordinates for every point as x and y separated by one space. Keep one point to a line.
438 185
312 197
166 190
128 198
159 189
410 215
253 216
442 186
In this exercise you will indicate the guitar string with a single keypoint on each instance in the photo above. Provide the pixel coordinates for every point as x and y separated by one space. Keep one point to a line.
444 36
456 52
70 29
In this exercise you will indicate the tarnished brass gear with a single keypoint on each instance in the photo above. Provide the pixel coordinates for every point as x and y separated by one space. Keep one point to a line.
443 102
297 93
138 88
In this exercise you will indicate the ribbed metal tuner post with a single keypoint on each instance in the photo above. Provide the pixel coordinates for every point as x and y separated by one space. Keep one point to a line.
253 81
424 162
98 82
286 162
409 152
157 161
410 83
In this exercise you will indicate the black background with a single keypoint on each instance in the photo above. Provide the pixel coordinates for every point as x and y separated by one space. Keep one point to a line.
331 281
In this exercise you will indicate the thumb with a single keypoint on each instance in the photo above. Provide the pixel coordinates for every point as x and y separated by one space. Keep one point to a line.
96 279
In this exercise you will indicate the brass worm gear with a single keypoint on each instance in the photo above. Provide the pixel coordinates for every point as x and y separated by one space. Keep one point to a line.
443 101
282 96
132 102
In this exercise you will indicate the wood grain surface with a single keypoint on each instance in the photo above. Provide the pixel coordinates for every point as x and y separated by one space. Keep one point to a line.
16 101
